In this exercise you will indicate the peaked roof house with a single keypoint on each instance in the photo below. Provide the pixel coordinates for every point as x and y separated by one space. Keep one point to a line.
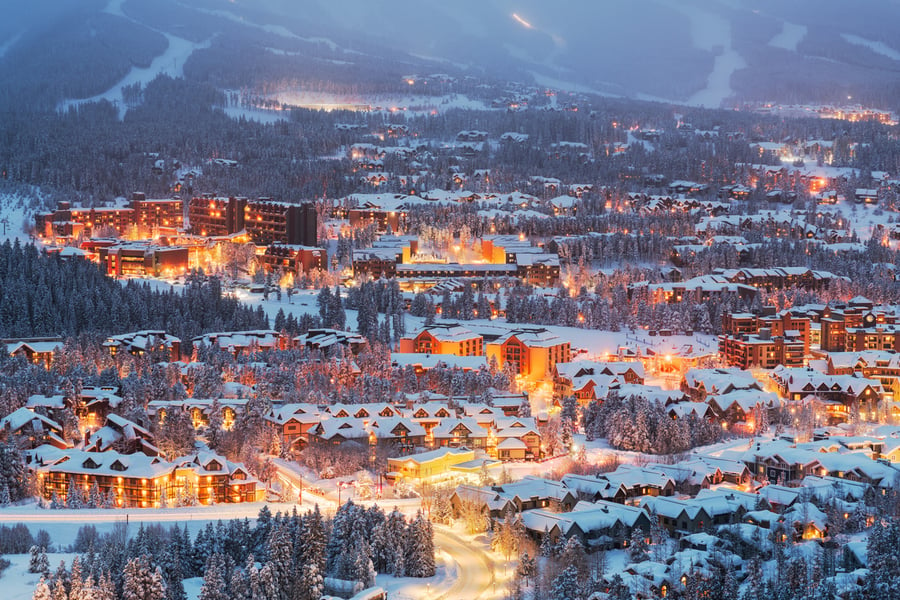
32 429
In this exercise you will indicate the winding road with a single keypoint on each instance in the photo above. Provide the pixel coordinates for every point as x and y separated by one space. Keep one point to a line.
475 568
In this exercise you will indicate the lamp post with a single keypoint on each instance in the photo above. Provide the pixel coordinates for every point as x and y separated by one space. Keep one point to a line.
341 485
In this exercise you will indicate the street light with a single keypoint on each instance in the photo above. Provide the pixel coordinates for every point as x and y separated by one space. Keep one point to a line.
341 485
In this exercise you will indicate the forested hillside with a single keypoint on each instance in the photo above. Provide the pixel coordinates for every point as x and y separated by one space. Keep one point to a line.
43 295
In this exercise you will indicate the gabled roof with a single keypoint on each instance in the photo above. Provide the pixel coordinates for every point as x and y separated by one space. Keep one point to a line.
21 417
109 463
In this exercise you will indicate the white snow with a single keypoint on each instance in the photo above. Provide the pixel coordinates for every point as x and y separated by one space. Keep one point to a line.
712 33
171 62
790 37
877 47
15 214
18 583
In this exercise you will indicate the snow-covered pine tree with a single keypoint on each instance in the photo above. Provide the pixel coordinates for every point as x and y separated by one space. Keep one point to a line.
565 585
239 585
213 587
42 591
74 494
637 547
5 498
44 563
59 590
420 548
106 589
314 539
34 563
76 580
141 581
267 587
280 563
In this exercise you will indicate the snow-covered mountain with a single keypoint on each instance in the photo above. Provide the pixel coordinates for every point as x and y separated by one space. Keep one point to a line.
702 52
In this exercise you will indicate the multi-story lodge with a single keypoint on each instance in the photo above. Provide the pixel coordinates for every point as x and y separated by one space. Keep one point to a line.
766 341
762 349
856 326
143 217
140 481
583 378
500 256
839 394
137 259
532 352
444 338
265 221
294 258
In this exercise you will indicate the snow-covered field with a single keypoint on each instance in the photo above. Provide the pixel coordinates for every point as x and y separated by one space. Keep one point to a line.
17 583
791 35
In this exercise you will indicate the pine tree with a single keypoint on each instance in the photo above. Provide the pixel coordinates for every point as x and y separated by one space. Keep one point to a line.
106 589
76 580
525 408
213 587
565 585
34 565
311 585
280 563
95 497
527 568
42 591
141 581
267 587
637 548
420 548
59 590
44 563
74 494
239 585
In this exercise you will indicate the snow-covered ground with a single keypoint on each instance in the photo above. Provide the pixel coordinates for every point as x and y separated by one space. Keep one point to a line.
16 213
862 217
17 583
712 33
791 35
877 47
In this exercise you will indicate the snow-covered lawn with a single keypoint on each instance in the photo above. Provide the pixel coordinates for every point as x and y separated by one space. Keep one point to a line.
17 583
